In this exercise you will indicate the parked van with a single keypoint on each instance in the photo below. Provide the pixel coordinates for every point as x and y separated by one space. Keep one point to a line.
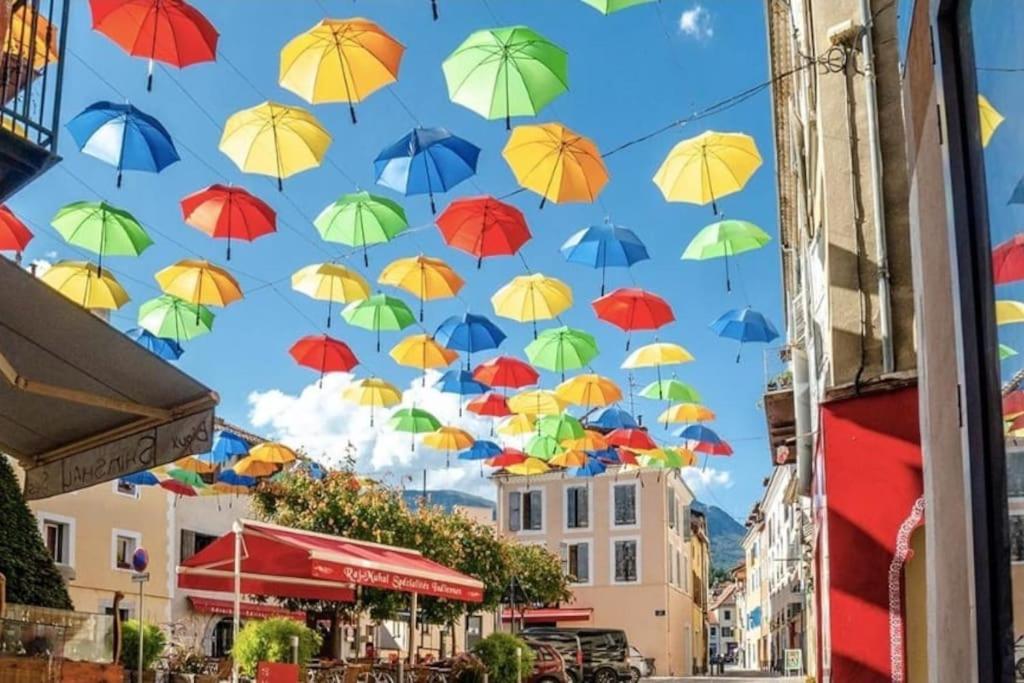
591 655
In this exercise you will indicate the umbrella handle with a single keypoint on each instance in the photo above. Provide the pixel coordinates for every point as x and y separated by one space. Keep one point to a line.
352 113
433 8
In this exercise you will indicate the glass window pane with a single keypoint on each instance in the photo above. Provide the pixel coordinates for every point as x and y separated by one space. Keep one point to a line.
625 504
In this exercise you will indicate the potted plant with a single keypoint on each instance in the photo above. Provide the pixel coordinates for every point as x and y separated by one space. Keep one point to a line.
187 665
270 640
498 653
152 645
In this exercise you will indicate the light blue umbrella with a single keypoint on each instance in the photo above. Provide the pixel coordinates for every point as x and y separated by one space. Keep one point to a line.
593 468
612 418
124 137
233 478
481 450
470 333
744 325
225 447
143 478
168 349
460 382
605 246
426 161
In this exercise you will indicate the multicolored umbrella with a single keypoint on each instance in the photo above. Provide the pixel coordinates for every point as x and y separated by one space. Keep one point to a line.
535 403
102 229
374 393
470 333
724 239
744 325
592 468
14 235
225 212
560 427
168 349
506 372
671 390
379 313
481 450
631 308
505 72
612 418
423 352
331 283
657 355
233 478
173 318
178 488
413 421
276 453
631 438
483 227
361 219
124 137
704 440
461 383
529 298
424 277
323 354
489 405
704 169
449 440
195 465
555 162
562 348
605 246
590 441
589 391
568 458
426 161
340 60
82 283
609 6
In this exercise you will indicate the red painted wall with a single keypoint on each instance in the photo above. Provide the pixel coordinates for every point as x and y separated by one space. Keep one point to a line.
871 448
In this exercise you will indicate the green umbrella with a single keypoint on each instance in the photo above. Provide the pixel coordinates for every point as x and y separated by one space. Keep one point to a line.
562 348
560 427
414 421
173 318
361 219
671 390
543 447
506 72
1006 352
102 229
379 312
724 239
187 477
609 6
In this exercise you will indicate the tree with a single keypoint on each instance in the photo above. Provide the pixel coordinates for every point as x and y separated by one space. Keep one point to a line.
152 645
32 578
499 651
538 575
270 640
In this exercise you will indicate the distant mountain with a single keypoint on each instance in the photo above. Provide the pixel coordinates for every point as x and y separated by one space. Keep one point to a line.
446 499
726 535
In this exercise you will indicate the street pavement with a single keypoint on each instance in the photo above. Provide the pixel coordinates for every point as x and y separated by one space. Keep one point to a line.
730 676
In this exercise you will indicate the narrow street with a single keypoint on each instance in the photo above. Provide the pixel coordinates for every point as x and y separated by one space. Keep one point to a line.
729 677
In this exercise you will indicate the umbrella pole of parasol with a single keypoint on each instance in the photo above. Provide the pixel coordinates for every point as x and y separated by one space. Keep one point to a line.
344 78
554 170
711 189
657 367
229 225
433 8
152 53
728 284
199 295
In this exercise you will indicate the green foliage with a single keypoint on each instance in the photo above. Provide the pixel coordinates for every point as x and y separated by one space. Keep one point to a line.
152 645
538 573
270 640
468 668
32 578
498 653
182 659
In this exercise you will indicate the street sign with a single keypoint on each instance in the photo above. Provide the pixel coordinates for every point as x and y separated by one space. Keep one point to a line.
140 578
794 662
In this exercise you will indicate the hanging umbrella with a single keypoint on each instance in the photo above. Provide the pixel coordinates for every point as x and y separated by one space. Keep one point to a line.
634 439
102 229
568 459
529 298
413 421
250 467
536 402
560 427
379 313
274 140
179 488
483 227
340 60
989 118
556 163
506 372
169 31
229 213
199 282
143 478
193 464
449 440
481 450
186 476
609 6
658 354
424 277
605 246
489 405
630 308
276 453
542 447
86 286
517 425
461 383
671 390
168 349
593 468
686 413
706 168
331 283
744 325
324 354
612 418
507 458
31 39
505 72
361 219
232 478
172 318
372 392
426 161
704 440
724 239
14 235
1006 352
589 391
470 333
423 352
562 348
590 442
1013 404
1008 261
1009 311
227 446
529 467
124 137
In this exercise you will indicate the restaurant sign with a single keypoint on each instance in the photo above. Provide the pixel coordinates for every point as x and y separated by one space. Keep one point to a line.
398 582
140 451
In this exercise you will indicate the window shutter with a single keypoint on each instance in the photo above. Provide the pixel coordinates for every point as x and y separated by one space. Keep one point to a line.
188 544
671 508
572 508
535 522
686 522
514 510
583 562
584 508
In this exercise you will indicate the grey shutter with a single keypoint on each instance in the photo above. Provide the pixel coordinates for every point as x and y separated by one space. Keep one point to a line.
188 544
572 508
514 510
583 562
584 508
535 521
686 522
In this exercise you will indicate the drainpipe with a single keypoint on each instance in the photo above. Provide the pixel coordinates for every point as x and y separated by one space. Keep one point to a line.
878 205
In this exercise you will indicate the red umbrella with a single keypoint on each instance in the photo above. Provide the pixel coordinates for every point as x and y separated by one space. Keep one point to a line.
483 226
178 487
627 457
323 354
636 439
506 372
1013 404
169 31
629 308
1008 261
507 457
228 213
14 235
712 447
490 405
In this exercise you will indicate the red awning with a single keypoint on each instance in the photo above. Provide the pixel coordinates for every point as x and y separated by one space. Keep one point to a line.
251 610
283 562
545 614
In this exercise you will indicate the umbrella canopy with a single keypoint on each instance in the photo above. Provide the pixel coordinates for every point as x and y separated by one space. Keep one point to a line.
31 38
423 352
1008 261
483 227
426 161
704 169
124 137
199 282
506 372
324 354
555 162
590 441
173 318
413 421
179 488
657 355
379 313
229 213
449 440
340 60
250 467
269 451
686 413
505 72
704 440
562 348
542 447
634 439
102 229
568 458
196 465
744 325
529 467
592 468
226 446
274 140
84 284
143 478
470 333
609 6
460 382
536 402
989 118
671 390
331 283
233 478
360 219
1009 311
560 427
489 405
14 235
480 450
724 239
517 425
605 246
630 308
529 298
1006 352
168 349
612 418
424 277
373 393
507 458
589 391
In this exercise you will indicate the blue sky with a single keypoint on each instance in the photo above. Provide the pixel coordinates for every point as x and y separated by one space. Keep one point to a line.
630 73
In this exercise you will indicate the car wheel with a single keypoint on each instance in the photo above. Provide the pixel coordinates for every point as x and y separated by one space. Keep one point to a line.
606 676
634 674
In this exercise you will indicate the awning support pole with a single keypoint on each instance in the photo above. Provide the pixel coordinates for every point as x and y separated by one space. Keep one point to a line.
413 609
237 608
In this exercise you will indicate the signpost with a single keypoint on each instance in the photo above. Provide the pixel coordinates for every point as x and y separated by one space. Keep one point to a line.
140 561
794 662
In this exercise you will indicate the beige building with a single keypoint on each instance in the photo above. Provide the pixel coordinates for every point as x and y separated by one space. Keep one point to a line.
754 643
700 571
625 540
723 622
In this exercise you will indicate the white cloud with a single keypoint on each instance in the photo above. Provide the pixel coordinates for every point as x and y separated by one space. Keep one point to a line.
39 266
696 23
701 480
326 427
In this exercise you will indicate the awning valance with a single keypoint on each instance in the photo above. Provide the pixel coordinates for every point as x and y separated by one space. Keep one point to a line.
250 610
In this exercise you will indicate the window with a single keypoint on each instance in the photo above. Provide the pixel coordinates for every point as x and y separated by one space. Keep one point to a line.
125 543
624 504
687 529
714 631
576 507
123 613
57 537
515 499
474 630
192 542
1017 538
577 562
626 562
671 508
727 614
525 511
126 488
727 631
677 568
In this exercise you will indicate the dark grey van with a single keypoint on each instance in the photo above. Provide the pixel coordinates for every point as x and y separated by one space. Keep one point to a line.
592 655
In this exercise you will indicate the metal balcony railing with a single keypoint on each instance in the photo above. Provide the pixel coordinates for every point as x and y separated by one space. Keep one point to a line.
778 375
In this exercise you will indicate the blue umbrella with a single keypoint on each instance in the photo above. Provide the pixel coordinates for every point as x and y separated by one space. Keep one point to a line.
697 433
593 468
235 479
469 333
225 447
168 349
460 382
314 470
744 325
604 246
613 418
124 137
143 478
480 450
426 161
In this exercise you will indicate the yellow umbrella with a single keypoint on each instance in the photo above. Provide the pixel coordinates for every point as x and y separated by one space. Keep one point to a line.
657 354
424 277
1009 311
528 467
588 390
517 425
81 282
590 441
193 464
556 163
529 298
422 351
573 457
449 440
251 467
331 283
706 168
271 452
688 457
30 36
340 60
372 392
220 488
686 412
274 140
199 282
989 117
536 402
